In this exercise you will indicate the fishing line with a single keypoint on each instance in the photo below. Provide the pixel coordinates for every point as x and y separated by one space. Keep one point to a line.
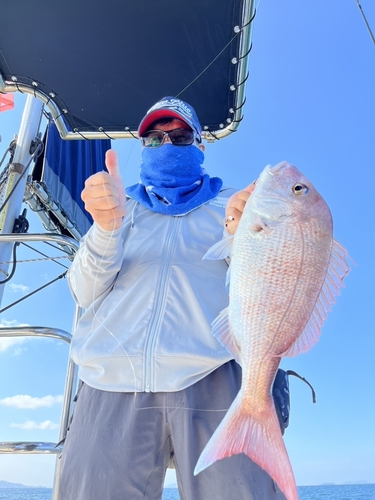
44 255
210 64
100 322
365 21
176 407
6 61
218 55
95 311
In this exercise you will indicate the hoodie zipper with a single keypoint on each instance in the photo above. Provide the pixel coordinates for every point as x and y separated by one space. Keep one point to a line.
160 299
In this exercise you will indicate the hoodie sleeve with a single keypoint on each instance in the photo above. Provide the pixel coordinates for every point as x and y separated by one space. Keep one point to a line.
96 265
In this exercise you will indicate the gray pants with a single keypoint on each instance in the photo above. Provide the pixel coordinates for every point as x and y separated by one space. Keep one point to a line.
119 445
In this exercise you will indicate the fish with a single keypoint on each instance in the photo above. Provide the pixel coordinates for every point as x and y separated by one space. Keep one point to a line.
285 271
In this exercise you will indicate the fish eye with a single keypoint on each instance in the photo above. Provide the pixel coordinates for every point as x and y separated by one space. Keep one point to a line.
300 189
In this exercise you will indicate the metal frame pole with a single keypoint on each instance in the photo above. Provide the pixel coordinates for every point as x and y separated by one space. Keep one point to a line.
29 128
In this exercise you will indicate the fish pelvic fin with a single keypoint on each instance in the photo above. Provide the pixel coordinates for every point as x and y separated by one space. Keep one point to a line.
259 438
337 270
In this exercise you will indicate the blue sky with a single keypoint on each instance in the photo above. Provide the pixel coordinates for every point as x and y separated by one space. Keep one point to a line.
310 101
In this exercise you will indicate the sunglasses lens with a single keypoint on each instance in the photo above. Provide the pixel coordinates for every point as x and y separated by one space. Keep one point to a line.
152 139
181 137
178 137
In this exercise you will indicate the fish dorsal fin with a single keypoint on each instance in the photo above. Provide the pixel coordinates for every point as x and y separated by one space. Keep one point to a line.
221 329
338 268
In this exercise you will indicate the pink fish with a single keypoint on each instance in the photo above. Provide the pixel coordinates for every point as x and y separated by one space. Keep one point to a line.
285 272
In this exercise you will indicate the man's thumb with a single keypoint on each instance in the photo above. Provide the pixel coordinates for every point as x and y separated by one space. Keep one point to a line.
111 162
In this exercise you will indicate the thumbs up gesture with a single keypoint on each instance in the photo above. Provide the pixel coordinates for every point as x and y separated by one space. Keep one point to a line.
104 195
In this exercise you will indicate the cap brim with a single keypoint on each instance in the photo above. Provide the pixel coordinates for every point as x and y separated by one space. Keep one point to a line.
156 115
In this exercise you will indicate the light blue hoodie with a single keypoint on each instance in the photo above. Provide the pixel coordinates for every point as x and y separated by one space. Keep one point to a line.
150 300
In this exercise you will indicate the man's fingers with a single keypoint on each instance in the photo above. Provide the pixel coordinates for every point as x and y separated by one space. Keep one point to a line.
100 202
245 193
107 215
250 188
242 197
111 162
102 190
238 201
98 179
231 221
104 195
236 206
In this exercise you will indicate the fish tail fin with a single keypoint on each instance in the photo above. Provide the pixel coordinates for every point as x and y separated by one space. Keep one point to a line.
259 438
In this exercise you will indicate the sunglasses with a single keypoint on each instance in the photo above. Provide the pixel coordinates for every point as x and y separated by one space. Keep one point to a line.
178 137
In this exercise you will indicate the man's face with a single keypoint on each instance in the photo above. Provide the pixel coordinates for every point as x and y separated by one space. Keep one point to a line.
172 125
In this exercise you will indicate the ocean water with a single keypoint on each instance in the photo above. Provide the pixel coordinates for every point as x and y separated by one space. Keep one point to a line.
328 492
25 494
337 492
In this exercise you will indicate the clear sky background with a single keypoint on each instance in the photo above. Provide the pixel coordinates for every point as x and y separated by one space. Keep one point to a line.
310 101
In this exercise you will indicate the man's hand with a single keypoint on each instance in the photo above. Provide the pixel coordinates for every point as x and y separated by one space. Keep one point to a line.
235 208
104 195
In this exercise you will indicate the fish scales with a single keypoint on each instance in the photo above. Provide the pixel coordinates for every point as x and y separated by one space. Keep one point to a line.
283 276
285 271
277 283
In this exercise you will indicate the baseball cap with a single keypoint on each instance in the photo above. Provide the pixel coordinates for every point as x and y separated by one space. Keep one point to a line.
174 108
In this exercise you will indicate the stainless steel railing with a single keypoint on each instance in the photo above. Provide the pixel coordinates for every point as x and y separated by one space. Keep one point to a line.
71 380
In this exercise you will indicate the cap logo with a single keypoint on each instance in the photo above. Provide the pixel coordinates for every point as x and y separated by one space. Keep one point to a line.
175 104
172 107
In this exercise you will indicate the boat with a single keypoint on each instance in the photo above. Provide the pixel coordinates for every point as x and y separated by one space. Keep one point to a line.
87 69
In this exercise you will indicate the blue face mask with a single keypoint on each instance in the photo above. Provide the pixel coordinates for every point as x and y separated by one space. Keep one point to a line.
172 180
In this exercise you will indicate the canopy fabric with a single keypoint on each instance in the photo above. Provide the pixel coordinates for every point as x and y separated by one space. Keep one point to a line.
62 171
101 65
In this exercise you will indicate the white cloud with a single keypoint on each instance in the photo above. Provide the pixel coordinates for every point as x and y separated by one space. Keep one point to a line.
24 401
30 425
18 351
8 342
18 288
5 323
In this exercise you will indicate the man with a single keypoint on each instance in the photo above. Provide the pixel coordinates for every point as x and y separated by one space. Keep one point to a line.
156 381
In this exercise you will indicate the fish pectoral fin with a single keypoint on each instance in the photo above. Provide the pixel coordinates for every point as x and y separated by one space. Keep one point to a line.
221 249
338 268
222 330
